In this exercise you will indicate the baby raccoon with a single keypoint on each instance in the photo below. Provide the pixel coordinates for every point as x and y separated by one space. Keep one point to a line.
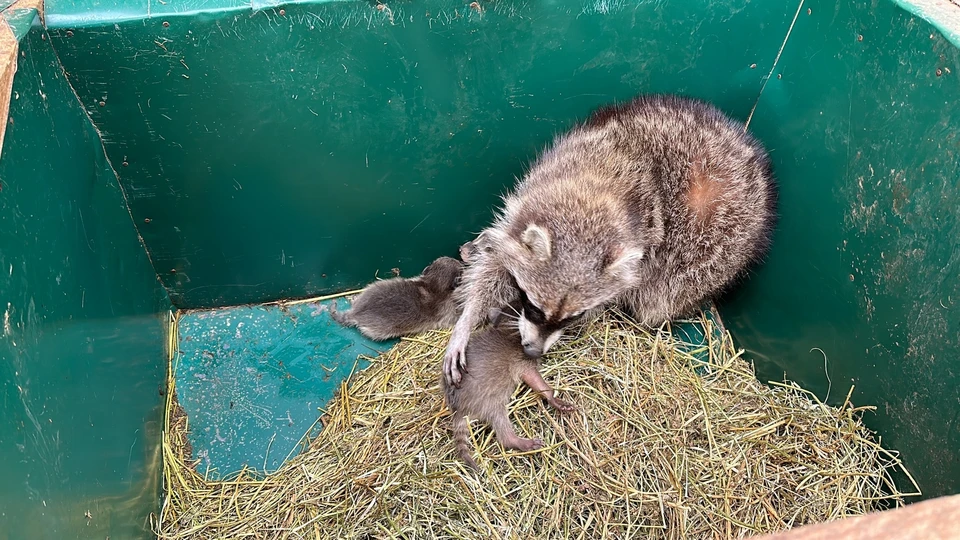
497 366
657 204
472 250
398 307
468 252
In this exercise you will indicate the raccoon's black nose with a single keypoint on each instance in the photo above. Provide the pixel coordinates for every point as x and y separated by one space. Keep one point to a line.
532 351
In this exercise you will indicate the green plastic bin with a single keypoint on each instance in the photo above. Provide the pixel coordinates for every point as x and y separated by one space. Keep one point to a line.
203 157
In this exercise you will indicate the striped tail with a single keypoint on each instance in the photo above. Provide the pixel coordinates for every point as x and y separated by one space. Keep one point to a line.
461 440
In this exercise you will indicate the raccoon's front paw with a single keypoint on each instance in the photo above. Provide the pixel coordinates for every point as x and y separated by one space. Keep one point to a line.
455 359
564 407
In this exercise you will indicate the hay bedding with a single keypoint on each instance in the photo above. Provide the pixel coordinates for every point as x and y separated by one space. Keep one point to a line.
662 446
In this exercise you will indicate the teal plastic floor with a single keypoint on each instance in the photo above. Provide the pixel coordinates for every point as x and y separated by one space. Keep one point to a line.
252 379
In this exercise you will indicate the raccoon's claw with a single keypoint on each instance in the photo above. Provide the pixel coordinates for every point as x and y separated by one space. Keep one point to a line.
455 359
450 371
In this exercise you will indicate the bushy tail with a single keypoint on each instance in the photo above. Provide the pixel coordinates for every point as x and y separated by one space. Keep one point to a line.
461 440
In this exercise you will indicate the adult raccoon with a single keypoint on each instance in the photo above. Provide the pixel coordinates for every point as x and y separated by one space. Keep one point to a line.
656 204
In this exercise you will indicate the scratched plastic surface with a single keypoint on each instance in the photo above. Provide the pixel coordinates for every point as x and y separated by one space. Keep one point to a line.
290 153
268 155
82 325
862 119
252 379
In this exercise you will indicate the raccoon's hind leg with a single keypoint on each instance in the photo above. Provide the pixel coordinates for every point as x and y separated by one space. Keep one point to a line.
461 440
531 377
508 437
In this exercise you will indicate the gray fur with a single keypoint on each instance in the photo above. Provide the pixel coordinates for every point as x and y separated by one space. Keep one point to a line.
657 204
471 251
497 366
398 307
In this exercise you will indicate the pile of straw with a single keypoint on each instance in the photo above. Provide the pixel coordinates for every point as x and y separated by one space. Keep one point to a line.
670 441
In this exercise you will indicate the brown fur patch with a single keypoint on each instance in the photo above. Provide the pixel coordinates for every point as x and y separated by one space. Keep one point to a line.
561 312
550 310
704 192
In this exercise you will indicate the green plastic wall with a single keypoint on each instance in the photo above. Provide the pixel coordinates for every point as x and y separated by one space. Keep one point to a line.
865 131
284 152
82 342
296 154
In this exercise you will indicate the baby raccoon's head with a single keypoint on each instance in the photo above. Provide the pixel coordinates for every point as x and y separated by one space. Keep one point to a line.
471 251
561 277
443 275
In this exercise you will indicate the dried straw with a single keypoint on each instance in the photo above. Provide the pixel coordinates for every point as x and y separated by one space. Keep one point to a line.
671 440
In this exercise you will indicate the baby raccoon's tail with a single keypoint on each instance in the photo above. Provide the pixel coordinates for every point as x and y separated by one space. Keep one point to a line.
461 440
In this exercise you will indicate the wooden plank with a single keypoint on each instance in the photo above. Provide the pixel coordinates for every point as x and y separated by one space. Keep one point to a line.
928 520
8 67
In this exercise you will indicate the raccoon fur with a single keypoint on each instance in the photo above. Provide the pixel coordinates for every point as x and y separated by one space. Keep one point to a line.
471 251
657 205
402 306
498 365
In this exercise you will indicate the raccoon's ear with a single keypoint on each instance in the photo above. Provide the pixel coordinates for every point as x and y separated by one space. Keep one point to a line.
537 240
623 263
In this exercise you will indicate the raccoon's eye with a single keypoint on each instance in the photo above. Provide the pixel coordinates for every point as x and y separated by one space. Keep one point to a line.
530 311
534 315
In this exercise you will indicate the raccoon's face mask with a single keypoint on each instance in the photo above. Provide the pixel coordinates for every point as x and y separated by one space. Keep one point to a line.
556 286
539 331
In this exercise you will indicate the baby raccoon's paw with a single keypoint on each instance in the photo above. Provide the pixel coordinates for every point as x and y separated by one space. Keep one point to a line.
564 407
